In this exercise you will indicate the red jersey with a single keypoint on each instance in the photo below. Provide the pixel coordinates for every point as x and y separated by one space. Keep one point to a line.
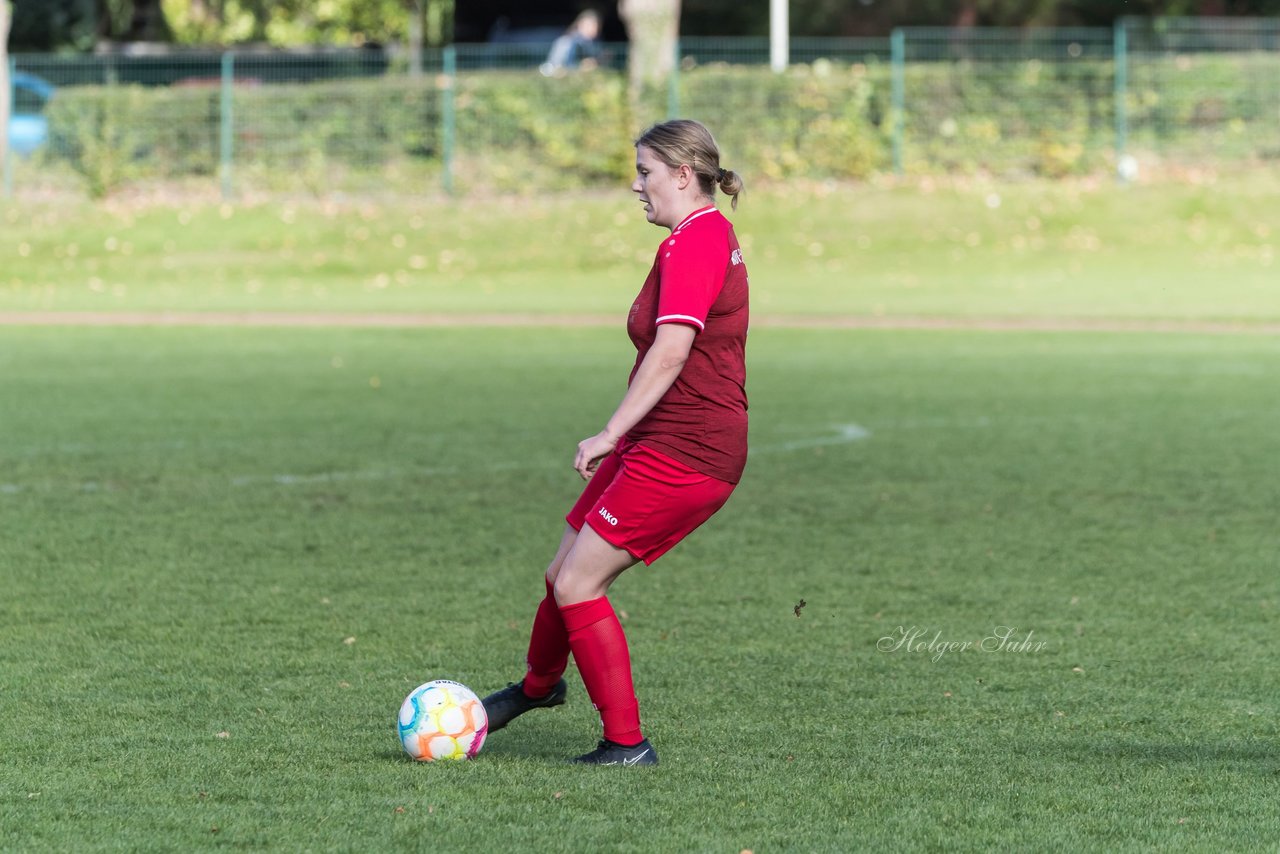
698 278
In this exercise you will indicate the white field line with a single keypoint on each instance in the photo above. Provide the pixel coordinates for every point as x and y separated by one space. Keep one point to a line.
378 474
842 434
86 486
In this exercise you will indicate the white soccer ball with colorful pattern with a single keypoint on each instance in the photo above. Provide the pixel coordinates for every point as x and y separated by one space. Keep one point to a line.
442 720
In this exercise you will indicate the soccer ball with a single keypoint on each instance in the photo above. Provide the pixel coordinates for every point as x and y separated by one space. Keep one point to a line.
442 720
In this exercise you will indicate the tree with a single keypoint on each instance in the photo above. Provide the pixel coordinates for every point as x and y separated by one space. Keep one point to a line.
292 23
440 22
52 25
132 21
652 28
415 10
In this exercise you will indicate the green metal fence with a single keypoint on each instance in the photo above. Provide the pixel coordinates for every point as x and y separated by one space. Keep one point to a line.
1203 91
486 117
1002 101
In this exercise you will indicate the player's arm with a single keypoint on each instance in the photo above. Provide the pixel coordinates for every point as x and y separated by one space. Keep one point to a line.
657 371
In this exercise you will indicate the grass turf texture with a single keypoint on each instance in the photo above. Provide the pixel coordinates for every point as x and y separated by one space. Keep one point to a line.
229 554
1075 250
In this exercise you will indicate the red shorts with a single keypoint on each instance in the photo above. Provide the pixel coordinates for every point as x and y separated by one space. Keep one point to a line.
646 502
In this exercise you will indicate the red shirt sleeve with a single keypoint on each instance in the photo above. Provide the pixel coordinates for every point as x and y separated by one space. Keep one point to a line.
691 267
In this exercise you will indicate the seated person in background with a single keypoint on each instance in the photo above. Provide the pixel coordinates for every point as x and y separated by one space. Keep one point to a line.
577 48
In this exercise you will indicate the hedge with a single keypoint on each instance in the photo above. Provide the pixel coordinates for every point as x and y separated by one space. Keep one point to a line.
827 120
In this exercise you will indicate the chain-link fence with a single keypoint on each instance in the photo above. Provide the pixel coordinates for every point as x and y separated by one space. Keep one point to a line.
1202 90
1049 102
1033 101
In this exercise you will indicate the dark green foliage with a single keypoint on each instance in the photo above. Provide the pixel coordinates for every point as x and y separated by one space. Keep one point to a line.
48 25
879 17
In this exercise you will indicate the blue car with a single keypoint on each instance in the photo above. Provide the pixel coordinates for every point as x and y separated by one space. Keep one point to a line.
28 128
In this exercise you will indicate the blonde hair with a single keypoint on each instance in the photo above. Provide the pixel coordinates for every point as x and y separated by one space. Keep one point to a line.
684 141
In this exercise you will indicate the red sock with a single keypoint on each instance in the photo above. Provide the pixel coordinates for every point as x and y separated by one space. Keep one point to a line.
548 649
600 650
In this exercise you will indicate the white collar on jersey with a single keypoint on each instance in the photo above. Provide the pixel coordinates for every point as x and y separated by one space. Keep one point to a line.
691 217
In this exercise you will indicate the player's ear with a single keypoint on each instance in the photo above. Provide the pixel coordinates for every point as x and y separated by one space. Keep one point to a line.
684 175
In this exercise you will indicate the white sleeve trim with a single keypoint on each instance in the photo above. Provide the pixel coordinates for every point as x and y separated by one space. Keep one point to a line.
681 318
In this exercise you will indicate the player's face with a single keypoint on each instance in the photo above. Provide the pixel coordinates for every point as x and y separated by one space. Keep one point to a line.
655 183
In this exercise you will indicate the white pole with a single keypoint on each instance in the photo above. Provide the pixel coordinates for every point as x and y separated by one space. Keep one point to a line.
779 35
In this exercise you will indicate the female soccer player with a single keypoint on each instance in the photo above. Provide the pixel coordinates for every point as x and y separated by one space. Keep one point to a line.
670 455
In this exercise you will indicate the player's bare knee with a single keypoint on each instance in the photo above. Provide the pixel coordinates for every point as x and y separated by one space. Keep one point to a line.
566 589
553 568
567 540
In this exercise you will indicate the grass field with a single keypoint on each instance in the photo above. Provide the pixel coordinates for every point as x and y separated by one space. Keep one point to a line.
228 553
1194 251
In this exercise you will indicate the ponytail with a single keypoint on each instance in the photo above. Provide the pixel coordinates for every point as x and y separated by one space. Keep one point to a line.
684 141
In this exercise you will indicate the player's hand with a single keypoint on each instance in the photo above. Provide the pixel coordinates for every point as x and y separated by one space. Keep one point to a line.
591 451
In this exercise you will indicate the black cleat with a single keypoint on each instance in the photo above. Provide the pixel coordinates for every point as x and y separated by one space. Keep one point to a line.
506 705
612 753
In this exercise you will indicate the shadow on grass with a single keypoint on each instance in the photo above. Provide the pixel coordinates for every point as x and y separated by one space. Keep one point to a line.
532 744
